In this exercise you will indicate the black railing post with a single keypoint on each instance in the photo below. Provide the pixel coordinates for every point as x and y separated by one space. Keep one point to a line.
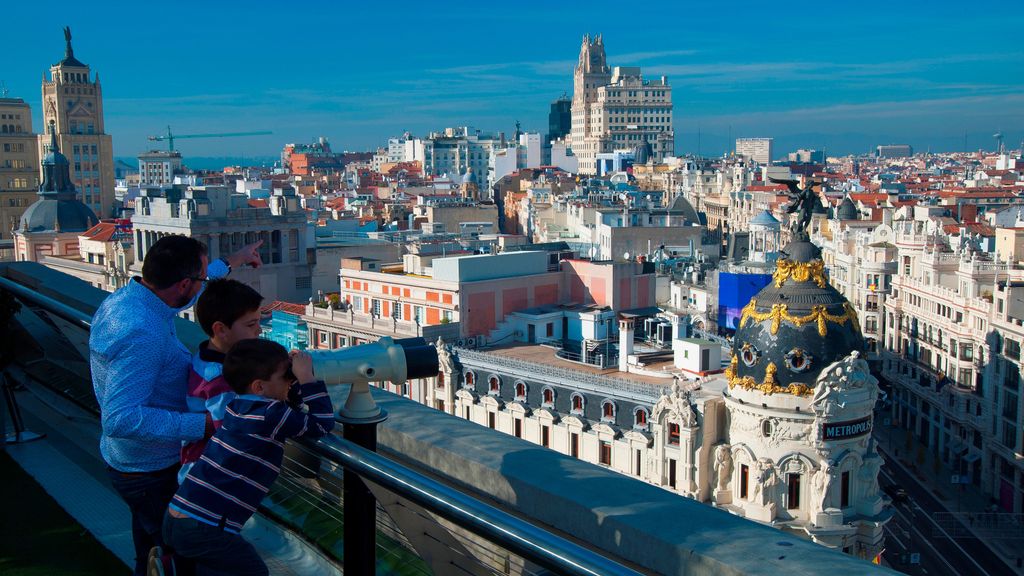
360 506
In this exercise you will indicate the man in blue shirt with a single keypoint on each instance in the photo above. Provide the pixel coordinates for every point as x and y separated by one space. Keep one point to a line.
140 376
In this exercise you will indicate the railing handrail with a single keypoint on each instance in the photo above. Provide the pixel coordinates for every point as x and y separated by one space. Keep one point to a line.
532 543
597 383
75 316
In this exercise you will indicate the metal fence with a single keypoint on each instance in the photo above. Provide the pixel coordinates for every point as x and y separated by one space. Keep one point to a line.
988 525
597 383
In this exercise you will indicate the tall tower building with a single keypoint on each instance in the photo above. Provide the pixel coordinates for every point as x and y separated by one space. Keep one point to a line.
73 101
19 163
591 73
616 109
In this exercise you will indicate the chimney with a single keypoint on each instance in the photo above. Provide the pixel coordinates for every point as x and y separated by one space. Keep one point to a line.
968 213
625 341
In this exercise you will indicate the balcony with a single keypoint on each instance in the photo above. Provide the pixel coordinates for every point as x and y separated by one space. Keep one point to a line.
547 513
370 325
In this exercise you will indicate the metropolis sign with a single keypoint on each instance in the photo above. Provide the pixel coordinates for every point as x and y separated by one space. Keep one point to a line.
848 429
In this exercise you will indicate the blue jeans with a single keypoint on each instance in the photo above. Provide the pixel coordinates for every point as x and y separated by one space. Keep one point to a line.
211 548
147 495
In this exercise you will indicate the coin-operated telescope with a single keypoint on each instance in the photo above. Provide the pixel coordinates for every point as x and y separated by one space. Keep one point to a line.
385 359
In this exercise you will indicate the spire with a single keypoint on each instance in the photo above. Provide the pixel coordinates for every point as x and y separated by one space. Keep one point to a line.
56 170
52 128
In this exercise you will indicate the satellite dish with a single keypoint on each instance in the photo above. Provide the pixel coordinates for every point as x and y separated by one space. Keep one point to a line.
625 256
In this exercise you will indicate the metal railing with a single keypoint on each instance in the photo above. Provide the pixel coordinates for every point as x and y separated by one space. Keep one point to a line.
530 542
596 383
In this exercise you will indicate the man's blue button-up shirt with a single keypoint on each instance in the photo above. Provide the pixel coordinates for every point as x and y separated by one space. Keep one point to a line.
140 376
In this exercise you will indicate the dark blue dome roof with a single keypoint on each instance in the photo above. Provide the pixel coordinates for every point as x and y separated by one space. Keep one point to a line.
58 208
52 215
793 328
847 210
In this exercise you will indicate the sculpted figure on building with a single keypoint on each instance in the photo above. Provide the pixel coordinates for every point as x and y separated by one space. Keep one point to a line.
723 466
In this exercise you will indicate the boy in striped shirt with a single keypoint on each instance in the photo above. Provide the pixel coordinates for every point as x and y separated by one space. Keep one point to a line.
243 458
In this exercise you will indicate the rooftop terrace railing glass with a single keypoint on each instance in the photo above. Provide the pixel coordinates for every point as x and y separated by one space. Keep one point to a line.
475 538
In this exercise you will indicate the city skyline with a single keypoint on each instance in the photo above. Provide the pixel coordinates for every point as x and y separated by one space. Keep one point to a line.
813 77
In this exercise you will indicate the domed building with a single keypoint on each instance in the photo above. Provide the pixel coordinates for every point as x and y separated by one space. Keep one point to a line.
847 210
51 226
799 412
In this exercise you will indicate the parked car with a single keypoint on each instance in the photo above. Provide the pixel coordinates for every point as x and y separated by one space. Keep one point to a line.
896 493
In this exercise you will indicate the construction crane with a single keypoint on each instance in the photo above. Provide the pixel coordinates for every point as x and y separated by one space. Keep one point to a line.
171 137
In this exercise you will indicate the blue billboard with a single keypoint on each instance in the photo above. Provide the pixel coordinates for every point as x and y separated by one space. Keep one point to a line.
735 292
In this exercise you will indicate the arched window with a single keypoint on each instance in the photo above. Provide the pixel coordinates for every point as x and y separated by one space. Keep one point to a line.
640 418
673 433
493 384
577 403
520 391
607 410
549 397
470 378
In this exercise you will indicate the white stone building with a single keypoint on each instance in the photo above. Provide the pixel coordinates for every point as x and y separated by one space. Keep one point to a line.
616 108
225 222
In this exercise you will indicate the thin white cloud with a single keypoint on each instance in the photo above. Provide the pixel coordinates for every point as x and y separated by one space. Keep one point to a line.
1008 105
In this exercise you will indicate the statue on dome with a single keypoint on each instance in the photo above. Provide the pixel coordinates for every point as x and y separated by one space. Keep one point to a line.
802 201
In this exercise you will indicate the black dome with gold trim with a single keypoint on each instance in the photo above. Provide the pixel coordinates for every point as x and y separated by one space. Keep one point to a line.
793 328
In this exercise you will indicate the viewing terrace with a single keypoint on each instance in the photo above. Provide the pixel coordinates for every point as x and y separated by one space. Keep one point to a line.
452 497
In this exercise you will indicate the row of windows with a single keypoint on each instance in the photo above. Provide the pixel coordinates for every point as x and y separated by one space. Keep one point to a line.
79 90
14 146
84 149
578 401
19 183
10 116
75 77
634 93
82 128
10 128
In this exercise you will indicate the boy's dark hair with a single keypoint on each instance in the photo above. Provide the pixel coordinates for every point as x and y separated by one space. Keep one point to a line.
225 300
250 360
172 259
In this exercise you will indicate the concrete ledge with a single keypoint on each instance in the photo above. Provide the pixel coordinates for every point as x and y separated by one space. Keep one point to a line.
640 524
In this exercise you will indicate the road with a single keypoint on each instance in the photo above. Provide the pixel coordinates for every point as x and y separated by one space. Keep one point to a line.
912 529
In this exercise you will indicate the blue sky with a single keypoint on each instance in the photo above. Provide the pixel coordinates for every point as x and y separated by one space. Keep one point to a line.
843 76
